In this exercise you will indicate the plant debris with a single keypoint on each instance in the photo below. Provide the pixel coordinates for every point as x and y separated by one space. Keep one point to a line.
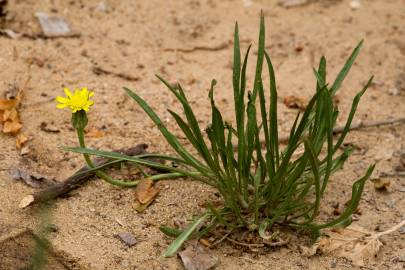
353 242
94 133
102 71
381 183
294 102
196 257
49 127
292 3
145 193
10 33
32 179
127 238
9 115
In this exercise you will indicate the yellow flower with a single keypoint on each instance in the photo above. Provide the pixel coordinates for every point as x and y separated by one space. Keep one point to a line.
80 100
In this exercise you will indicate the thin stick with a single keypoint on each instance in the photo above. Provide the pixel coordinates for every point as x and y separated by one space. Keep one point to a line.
390 230
81 176
221 239
198 48
395 174
244 244
358 126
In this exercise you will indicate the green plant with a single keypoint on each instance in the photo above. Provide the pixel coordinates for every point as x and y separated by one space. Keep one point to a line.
260 183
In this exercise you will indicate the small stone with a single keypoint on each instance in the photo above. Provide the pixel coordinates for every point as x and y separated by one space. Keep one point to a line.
394 91
52 227
401 258
101 7
127 238
333 263
391 204
402 230
125 263
355 4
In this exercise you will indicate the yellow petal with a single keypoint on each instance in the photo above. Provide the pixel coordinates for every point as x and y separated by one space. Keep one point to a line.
91 94
67 92
61 99
61 106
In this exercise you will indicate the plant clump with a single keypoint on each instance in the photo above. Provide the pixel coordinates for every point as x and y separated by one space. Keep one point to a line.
261 183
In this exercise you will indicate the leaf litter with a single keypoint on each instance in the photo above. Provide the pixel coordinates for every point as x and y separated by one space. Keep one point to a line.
9 114
31 179
354 242
145 194
196 257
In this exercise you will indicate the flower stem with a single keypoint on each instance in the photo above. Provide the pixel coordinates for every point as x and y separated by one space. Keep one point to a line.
102 175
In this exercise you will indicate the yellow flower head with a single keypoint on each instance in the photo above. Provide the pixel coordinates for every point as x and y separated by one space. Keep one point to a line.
80 100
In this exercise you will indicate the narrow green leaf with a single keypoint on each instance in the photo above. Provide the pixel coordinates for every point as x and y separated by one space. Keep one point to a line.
345 70
176 244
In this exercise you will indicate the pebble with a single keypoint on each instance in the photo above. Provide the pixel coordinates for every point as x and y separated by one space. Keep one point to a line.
355 4
391 204
333 263
127 238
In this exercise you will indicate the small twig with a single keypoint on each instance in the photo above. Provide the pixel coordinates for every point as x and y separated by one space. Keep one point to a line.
395 174
277 244
77 179
198 48
103 71
390 230
339 129
244 244
221 239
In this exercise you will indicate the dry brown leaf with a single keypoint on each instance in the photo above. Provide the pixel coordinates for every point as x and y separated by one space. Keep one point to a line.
381 183
32 179
145 191
353 242
8 104
49 127
20 140
10 115
10 119
196 257
11 127
94 133
294 102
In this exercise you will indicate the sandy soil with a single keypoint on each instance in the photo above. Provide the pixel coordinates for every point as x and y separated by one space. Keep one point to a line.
190 41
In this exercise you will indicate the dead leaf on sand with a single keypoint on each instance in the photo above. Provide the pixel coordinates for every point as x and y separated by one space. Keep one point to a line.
294 102
381 183
49 127
20 141
11 127
196 257
9 115
32 179
353 242
94 133
145 193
